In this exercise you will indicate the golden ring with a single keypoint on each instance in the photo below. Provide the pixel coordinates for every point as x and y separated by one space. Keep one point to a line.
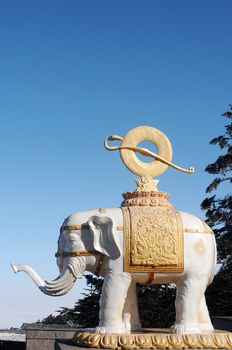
146 133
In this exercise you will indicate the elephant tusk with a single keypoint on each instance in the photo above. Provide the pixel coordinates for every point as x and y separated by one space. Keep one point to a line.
62 281
58 286
64 284
59 278
60 290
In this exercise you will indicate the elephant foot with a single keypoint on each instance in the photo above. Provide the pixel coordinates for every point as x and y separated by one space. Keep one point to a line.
110 329
185 327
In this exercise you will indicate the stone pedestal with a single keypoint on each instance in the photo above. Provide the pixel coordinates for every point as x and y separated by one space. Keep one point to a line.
70 339
45 338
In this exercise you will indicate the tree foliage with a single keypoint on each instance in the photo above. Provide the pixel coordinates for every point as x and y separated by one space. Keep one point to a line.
156 305
219 216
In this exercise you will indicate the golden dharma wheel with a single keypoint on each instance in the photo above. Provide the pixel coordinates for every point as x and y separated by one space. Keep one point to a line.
140 134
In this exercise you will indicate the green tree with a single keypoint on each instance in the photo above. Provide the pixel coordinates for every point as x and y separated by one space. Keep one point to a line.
219 217
156 305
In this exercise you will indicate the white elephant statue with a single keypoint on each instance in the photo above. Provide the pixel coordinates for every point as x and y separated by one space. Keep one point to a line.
92 241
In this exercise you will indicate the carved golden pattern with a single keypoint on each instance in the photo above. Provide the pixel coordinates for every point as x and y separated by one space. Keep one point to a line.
71 228
75 253
154 339
153 240
146 184
147 199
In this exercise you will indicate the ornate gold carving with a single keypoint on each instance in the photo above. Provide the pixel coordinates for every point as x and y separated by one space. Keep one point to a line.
71 228
146 184
153 240
75 253
146 199
154 339
128 148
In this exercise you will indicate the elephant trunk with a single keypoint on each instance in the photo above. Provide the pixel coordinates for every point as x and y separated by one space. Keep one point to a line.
31 272
61 285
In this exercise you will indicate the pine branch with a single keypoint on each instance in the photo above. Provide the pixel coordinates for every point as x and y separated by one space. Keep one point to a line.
217 181
228 114
222 165
222 141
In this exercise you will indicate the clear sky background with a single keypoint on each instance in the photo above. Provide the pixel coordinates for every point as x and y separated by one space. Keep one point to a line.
74 72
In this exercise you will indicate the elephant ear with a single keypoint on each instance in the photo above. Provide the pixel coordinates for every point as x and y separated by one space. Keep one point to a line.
104 237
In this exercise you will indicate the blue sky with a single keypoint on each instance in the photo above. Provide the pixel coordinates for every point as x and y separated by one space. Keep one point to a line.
74 72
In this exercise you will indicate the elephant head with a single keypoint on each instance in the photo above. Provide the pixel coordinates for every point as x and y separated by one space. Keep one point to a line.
81 247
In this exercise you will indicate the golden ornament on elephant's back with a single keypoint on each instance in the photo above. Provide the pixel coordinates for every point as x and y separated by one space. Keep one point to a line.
153 240
128 148
153 231
136 136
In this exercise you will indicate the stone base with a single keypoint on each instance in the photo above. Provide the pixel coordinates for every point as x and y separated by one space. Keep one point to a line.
154 339
44 338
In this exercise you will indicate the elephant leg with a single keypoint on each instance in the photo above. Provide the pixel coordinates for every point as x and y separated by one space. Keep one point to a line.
131 312
189 295
112 301
204 318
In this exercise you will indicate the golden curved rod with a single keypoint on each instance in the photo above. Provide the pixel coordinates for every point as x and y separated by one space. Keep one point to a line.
112 138
144 152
